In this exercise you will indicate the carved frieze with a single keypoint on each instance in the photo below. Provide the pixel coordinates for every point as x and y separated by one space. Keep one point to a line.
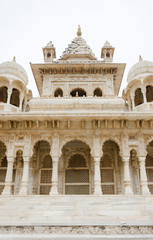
77 230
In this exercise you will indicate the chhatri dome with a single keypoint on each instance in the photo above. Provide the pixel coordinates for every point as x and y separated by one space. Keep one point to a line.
14 69
141 67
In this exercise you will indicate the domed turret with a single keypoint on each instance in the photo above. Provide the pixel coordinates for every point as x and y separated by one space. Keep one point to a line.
139 91
141 67
13 87
14 69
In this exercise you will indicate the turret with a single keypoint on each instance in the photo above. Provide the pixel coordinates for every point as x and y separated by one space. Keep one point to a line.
49 52
107 52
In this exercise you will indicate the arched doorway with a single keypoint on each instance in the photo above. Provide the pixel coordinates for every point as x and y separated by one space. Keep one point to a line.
77 177
58 92
111 169
3 94
138 99
97 92
41 163
45 175
15 97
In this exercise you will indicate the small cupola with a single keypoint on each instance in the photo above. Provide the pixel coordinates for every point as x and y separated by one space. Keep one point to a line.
107 52
49 52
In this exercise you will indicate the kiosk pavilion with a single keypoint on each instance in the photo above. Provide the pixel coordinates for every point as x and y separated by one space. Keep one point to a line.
76 162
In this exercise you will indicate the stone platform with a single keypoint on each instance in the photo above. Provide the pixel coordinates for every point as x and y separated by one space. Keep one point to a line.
76 217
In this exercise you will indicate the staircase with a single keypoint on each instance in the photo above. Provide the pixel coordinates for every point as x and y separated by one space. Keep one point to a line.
76 214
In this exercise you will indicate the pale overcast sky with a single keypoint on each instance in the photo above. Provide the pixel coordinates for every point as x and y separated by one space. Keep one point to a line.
28 25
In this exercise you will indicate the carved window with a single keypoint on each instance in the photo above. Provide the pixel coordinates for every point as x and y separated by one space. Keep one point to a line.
149 171
149 93
3 94
46 175
15 100
58 93
77 176
97 92
78 92
107 175
138 97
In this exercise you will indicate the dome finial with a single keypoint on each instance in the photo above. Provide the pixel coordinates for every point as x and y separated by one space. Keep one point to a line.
79 33
140 58
14 59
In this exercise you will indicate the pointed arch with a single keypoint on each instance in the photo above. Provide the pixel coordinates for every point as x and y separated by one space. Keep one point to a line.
3 94
138 98
15 97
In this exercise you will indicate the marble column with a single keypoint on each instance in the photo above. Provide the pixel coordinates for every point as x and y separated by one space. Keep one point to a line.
144 95
25 177
8 179
20 105
97 177
143 176
9 96
127 179
54 188
133 104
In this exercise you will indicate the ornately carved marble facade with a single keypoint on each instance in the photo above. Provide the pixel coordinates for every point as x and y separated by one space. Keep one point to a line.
79 137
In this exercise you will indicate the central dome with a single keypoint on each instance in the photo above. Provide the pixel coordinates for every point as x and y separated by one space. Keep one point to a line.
15 69
140 67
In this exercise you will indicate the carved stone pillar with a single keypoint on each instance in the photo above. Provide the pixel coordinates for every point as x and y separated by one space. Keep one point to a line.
133 104
127 180
9 96
97 177
54 188
21 101
143 176
144 95
8 179
25 177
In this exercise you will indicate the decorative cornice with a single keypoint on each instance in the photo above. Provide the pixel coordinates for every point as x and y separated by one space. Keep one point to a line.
77 230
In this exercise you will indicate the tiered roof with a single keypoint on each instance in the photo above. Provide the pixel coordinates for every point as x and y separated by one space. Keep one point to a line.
78 49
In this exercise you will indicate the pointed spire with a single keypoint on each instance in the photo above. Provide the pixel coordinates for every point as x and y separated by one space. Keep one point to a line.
14 59
79 33
140 58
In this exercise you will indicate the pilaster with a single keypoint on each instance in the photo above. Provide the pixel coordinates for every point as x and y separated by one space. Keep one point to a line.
8 179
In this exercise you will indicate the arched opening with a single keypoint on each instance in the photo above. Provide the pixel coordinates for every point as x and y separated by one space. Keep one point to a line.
76 164
17 172
111 169
134 172
15 97
97 92
78 92
138 99
149 93
41 162
58 93
46 175
3 94
149 166
3 166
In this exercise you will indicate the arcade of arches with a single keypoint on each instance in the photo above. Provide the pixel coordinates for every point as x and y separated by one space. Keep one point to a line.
76 171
